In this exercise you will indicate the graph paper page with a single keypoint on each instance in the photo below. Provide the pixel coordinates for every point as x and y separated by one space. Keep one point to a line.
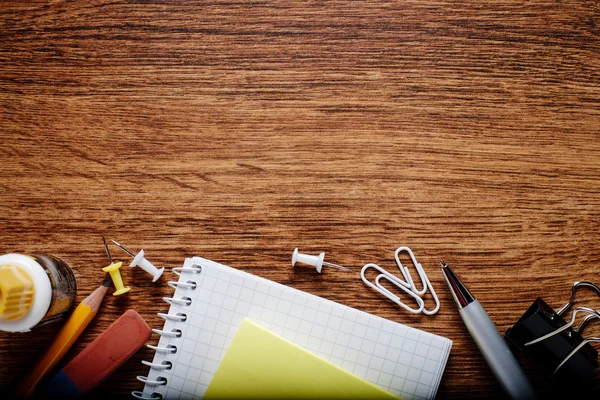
405 361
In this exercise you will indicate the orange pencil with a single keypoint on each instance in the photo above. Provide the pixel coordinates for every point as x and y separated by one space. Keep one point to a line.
68 334
77 322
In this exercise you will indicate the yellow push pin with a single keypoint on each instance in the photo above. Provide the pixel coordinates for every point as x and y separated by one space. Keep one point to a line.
115 274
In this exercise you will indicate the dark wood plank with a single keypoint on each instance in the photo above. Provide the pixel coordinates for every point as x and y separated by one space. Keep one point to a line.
237 131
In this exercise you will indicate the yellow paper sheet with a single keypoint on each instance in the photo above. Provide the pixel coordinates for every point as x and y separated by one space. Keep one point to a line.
262 365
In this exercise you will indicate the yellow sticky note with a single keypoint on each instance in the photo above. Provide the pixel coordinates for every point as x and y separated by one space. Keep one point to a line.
262 365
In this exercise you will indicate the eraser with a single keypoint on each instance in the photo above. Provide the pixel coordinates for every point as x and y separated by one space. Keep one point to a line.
103 356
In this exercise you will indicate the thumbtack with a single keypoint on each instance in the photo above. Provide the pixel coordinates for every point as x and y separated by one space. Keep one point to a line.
315 261
140 261
115 274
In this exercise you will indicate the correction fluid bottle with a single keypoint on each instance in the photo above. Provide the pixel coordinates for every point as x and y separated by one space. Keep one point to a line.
34 290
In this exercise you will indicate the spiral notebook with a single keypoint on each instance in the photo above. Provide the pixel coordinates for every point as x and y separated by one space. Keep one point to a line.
211 300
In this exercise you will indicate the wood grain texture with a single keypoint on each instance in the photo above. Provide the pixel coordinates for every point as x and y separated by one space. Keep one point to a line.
238 130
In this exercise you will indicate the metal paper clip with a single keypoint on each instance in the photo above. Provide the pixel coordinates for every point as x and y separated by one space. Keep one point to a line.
396 281
422 275
407 285
406 273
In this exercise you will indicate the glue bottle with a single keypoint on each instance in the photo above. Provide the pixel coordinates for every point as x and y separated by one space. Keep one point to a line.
34 290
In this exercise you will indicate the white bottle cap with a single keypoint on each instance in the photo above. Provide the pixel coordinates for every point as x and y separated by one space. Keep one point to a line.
41 298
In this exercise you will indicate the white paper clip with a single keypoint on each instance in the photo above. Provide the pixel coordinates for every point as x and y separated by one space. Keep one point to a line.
394 280
407 285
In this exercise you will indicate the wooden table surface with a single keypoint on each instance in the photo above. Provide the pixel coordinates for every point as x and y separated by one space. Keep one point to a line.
239 130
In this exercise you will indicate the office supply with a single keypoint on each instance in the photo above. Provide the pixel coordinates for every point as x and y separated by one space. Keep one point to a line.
115 275
577 285
68 334
407 286
34 290
543 336
214 300
262 365
485 334
140 261
113 270
566 326
394 280
122 339
315 261
406 272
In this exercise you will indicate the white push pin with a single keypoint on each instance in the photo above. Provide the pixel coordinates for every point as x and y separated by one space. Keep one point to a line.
315 261
140 261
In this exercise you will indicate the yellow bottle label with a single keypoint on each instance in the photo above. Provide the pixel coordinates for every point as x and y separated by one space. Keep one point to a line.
16 292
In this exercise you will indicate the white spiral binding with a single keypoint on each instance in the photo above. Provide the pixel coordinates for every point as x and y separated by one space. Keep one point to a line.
184 301
185 285
195 268
160 381
179 317
173 333
162 366
170 348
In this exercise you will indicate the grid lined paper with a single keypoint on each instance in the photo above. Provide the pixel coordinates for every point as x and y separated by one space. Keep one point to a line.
405 361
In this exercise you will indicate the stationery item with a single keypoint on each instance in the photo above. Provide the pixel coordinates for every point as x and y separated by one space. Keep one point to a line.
566 326
102 357
115 274
485 334
543 335
140 261
262 365
34 290
315 261
399 283
407 285
68 334
211 301
577 285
